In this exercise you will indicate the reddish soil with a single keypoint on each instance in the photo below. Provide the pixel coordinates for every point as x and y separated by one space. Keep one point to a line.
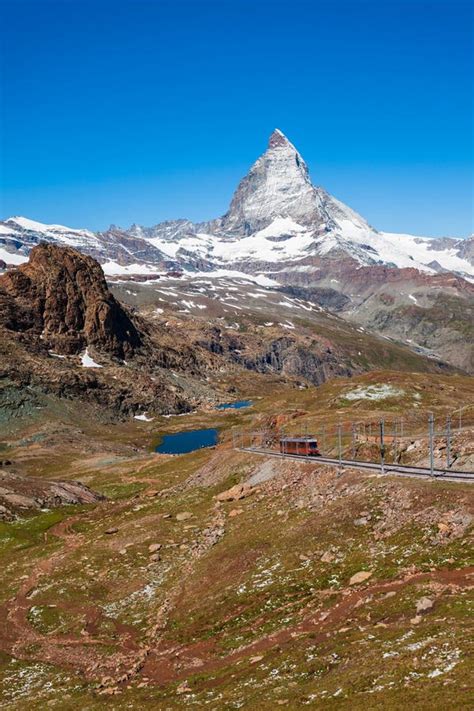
170 663
17 636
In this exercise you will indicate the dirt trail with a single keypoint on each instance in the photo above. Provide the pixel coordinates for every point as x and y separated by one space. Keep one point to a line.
135 662
18 637
17 634
168 664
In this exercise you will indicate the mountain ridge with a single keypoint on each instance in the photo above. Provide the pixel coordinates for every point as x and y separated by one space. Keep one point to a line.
283 231
300 221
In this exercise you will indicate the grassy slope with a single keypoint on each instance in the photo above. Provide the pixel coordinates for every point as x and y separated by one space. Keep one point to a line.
264 575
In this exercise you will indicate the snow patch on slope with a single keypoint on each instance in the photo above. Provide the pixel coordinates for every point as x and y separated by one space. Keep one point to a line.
280 226
88 362
111 268
11 257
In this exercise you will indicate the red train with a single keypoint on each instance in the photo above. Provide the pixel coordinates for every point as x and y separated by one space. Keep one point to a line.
304 446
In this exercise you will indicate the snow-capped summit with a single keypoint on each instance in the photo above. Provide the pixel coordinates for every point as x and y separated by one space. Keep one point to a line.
278 138
276 216
277 185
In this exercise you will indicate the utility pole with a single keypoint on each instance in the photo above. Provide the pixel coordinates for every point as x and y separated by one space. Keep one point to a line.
395 442
382 447
431 433
339 443
448 442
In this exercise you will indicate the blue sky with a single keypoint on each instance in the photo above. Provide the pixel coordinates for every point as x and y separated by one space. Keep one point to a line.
122 112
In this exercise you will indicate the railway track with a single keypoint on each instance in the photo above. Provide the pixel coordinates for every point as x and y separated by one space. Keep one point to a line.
399 469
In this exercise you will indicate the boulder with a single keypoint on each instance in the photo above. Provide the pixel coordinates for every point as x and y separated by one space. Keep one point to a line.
327 557
360 577
154 547
237 492
183 516
424 604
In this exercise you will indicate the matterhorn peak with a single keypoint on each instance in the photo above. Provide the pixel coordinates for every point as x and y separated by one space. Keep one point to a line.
277 185
277 139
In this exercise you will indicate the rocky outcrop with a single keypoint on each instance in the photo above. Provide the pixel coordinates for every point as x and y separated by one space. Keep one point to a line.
323 296
19 493
298 359
61 296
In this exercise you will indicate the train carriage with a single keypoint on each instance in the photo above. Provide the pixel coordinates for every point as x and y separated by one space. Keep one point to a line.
303 446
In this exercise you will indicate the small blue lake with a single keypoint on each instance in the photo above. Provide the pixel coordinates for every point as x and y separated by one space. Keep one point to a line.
235 405
187 441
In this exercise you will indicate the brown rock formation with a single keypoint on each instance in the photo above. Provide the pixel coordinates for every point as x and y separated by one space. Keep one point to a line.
62 296
19 493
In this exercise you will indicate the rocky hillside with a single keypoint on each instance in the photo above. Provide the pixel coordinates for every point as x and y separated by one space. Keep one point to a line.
263 329
64 334
432 314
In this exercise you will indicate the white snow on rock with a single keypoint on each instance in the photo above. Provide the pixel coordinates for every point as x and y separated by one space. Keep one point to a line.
144 417
111 268
28 224
88 362
12 257
258 247
280 226
373 392
233 274
21 234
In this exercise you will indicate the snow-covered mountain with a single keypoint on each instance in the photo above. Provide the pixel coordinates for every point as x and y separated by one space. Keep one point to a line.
285 233
277 219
